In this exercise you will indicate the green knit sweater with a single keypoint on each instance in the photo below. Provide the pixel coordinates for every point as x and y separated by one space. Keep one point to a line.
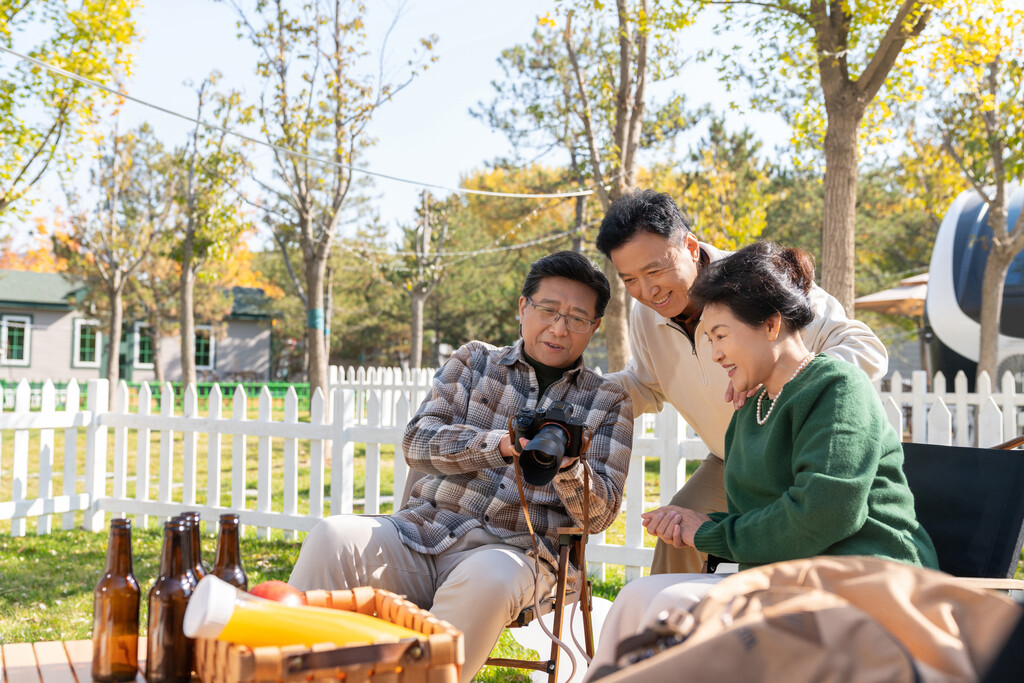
823 476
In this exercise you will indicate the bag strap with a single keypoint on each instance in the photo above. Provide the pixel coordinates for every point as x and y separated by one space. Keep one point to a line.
403 652
672 628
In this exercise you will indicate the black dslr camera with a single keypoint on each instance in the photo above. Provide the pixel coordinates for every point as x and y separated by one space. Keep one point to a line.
554 435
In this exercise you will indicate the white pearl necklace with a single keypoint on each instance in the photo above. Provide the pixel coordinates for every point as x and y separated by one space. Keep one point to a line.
761 420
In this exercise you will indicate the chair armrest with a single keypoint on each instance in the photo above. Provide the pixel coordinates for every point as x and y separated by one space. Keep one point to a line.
991 584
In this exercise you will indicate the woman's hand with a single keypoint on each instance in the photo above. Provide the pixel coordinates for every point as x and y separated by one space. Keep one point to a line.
673 524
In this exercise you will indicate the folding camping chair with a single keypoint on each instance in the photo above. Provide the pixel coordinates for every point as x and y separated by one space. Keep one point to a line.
570 546
971 503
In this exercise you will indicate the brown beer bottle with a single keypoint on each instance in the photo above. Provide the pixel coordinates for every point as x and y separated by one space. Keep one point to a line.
169 653
199 569
186 549
115 616
228 565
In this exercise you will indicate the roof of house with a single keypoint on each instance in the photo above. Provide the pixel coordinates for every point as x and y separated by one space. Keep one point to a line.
24 289
249 303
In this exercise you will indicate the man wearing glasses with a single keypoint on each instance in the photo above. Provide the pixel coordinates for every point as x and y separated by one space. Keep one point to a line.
460 546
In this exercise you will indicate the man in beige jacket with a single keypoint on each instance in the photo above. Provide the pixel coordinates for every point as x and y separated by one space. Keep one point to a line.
657 256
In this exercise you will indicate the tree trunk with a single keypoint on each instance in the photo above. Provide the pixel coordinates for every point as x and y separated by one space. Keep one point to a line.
328 311
315 341
838 226
997 265
187 320
438 361
581 219
616 317
416 301
155 335
114 347
616 321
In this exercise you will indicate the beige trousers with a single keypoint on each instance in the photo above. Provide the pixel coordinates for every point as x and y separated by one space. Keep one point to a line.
639 604
479 585
704 492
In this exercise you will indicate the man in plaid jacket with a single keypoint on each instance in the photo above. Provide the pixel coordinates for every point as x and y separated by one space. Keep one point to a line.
460 546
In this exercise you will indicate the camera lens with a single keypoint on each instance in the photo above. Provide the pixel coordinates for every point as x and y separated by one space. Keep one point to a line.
542 456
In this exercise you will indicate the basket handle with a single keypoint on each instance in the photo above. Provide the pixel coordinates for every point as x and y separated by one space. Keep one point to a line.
403 652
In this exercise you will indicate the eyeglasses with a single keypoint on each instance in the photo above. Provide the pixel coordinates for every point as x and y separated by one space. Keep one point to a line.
550 316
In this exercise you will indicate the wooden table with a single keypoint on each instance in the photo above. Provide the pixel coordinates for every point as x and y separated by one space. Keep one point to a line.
55 662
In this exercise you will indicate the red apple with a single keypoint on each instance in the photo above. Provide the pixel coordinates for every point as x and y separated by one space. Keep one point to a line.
278 591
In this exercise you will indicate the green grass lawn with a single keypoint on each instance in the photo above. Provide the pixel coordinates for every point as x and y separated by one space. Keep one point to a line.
46 582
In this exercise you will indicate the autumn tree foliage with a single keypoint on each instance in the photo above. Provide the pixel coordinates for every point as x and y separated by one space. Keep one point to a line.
40 110
722 184
203 175
115 222
835 70
38 256
320 94
976 69
583 82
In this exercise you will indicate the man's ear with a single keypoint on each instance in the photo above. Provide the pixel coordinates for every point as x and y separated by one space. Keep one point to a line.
691 245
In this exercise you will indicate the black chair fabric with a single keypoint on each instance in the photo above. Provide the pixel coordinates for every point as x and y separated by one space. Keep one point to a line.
1009 663
971 503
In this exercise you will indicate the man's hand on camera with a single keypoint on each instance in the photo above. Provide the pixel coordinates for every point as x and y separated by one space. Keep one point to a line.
505 446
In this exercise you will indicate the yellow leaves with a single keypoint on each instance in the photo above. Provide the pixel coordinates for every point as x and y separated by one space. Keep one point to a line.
547 21
975 57
93 39
39 257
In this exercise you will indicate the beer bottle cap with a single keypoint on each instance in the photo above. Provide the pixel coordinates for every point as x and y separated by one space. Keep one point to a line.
210 608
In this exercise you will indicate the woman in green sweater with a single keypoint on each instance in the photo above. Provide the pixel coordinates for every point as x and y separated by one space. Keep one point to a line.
812 465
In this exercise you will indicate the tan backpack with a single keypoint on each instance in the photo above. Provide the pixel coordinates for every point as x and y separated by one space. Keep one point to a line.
849 619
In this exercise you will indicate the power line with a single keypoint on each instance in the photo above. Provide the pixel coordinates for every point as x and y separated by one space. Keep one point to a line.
484 250
478 252
284 150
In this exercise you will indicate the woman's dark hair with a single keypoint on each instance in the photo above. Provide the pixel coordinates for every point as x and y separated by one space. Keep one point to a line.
758 281
641 211
571 265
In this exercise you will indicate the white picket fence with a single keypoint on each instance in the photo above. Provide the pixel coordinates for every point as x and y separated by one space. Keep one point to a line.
365 406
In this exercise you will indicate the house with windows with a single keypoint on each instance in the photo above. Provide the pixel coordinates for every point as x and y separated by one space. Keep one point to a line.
45 335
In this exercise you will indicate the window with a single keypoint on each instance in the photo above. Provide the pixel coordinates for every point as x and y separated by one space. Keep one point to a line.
204 347
145 353
15 339
87 343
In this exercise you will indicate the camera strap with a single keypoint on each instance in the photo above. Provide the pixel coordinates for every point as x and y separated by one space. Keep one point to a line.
584 586
586 497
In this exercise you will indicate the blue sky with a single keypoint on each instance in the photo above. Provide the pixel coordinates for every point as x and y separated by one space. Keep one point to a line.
426 133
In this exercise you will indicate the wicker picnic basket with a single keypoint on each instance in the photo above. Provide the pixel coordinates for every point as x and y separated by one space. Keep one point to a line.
436 658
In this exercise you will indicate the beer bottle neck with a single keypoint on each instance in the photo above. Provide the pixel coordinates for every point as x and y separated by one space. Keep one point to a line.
119 551
197 549
228 553
172 559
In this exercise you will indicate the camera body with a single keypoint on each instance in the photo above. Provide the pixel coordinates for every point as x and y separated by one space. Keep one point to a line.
553 434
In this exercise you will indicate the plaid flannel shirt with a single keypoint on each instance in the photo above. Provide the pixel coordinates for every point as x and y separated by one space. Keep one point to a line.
454 437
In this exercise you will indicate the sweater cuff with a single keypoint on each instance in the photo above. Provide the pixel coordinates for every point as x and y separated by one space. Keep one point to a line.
710 538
